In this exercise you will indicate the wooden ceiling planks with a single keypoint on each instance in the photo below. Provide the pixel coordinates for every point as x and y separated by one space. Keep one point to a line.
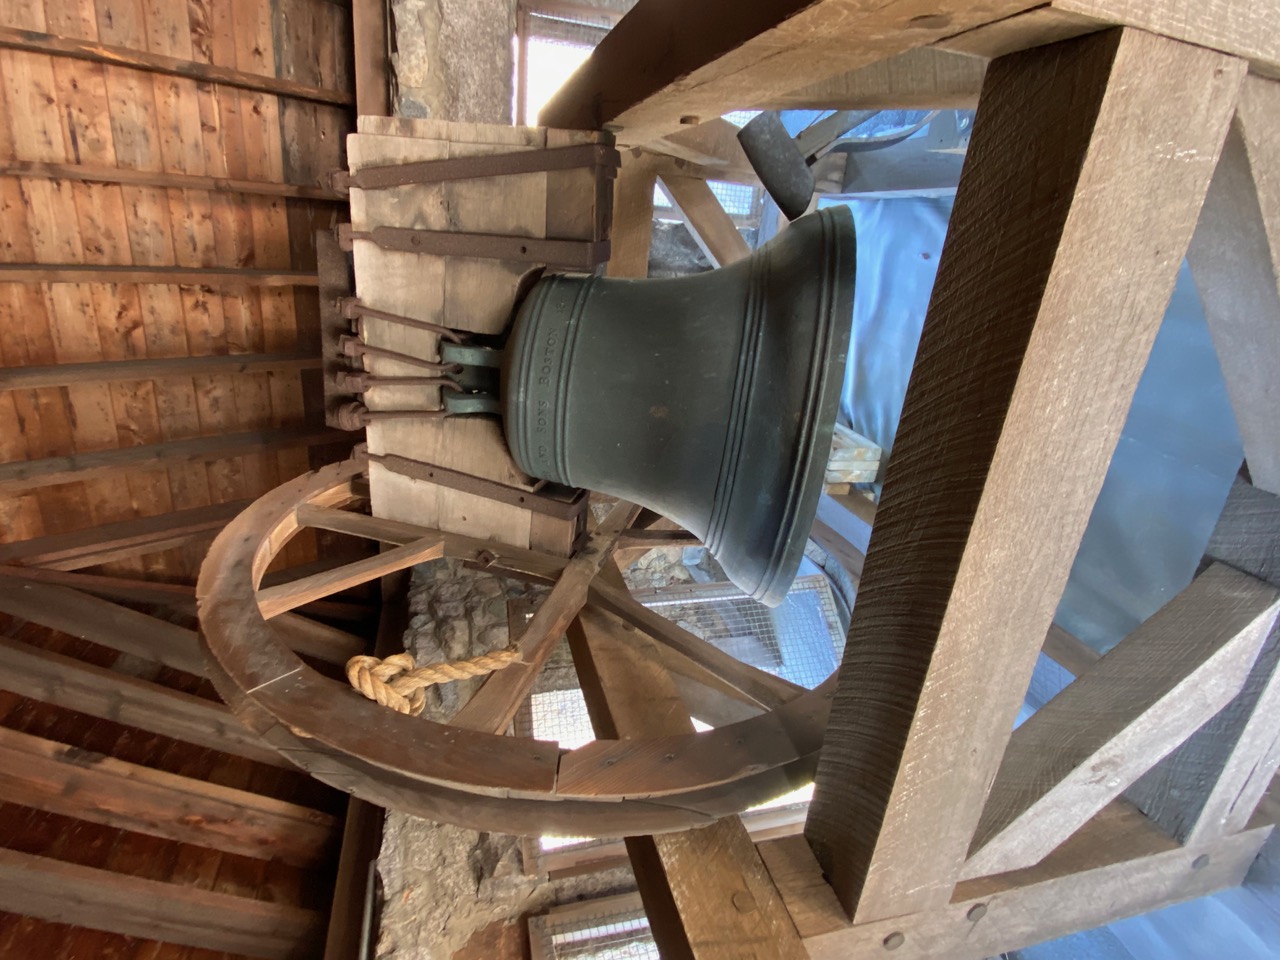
72 111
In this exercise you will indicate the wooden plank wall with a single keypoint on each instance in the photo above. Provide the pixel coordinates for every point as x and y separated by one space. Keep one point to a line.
138 855
60 110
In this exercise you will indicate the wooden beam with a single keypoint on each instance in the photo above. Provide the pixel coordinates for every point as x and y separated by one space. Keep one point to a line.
1117 867
1235 258
706 891
113 371
116 541
370 38
90 173
632 230
1069 651
646 79
708 151
103 622
927 78
32 474
62 892
764 688
362 827
1210 786
1241 29
111 625
1070 251
1034 28
273 601
98 692
54 777
29 41
1141 701
220 278
712 228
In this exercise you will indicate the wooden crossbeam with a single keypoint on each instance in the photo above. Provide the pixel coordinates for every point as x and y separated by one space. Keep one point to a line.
91 173
54 777
1135 706
1071 250
645 80
927 78
112 371
120 628
1118 866
1244 30
1235 259
117 541
50 471
68 893
218 278
101 621
764 688
706 892
494 705
98 692
32 42
711 227
1210 786
632 231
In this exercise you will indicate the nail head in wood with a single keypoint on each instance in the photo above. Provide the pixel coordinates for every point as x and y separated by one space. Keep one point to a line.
894 940
976 912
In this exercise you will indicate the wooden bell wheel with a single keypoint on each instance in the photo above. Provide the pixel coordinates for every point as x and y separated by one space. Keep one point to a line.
467 771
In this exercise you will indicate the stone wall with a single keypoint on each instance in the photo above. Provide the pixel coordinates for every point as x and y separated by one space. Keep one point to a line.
453 59
442 883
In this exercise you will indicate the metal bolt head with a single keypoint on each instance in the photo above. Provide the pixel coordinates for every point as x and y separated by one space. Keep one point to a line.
1200 862
977 912
894 940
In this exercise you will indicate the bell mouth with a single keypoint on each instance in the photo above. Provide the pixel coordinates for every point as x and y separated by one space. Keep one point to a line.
710 399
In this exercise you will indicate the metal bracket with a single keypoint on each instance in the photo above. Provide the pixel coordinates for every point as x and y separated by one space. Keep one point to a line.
552 500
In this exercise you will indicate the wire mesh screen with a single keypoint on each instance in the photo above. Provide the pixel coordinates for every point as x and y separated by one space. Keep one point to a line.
618 935
738 199
799 640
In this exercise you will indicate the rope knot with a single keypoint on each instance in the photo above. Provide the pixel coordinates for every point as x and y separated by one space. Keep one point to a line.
399 683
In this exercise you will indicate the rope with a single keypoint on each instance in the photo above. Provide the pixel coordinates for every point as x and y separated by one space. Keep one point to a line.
399 683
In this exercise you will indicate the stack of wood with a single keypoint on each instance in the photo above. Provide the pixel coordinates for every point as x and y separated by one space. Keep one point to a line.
854 459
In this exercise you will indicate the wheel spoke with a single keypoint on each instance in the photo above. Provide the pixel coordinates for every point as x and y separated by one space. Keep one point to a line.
495 704
277 600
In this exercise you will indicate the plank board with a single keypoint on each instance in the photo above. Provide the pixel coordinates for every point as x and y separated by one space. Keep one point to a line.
1054 279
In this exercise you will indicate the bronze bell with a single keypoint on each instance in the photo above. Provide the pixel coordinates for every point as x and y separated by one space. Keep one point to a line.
710 399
